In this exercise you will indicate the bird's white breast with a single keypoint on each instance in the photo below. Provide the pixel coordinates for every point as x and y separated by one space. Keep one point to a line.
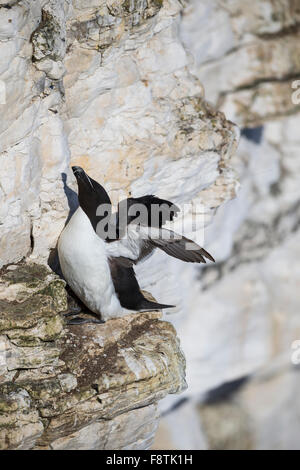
84 264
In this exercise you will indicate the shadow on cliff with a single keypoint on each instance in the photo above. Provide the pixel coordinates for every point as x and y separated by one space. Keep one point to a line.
53 261
254 134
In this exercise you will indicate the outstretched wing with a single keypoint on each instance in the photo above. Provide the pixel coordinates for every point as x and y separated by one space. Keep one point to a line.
147 211
140 242
179 247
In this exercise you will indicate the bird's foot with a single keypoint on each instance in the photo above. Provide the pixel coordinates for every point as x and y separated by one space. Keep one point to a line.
81 321
73 311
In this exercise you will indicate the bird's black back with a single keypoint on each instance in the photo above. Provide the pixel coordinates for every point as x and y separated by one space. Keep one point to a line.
147 210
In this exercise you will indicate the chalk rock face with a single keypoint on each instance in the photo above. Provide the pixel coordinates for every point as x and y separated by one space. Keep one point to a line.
262 222
78 387
246 54
105 85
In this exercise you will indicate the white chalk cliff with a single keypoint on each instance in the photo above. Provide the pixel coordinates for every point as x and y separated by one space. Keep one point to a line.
105 85
244 322
120 87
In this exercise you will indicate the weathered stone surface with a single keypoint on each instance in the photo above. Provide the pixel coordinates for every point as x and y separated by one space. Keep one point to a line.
107 86
265 215
20 425
78 387
246 55
132 430
251 60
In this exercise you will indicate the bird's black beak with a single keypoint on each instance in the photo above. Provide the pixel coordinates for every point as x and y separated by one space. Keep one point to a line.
82 178
78 171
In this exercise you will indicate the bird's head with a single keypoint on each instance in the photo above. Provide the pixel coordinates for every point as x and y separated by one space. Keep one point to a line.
93 199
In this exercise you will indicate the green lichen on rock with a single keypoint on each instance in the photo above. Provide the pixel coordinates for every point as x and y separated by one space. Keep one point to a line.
30 313
48 39
145 9
57 379
22 273
56 290
45 330
107 25
20 423
7 404
26 314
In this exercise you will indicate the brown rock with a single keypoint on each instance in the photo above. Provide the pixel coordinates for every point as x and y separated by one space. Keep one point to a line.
79 387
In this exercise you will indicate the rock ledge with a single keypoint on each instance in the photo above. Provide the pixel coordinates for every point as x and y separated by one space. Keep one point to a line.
78 387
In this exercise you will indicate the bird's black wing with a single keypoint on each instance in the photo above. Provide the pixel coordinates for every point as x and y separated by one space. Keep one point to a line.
167 210
147 210
141 241
179 247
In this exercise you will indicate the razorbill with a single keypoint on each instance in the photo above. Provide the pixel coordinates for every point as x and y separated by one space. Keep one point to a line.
101 281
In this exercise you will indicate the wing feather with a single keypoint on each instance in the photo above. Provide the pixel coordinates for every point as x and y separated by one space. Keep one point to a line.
141 241
179 247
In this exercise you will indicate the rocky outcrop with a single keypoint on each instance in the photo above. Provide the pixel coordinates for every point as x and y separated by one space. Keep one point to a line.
78 387
247 56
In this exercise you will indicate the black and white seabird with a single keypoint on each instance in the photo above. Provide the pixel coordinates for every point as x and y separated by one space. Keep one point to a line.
102 281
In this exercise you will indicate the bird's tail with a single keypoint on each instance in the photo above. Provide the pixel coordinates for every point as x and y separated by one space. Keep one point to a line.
148 305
